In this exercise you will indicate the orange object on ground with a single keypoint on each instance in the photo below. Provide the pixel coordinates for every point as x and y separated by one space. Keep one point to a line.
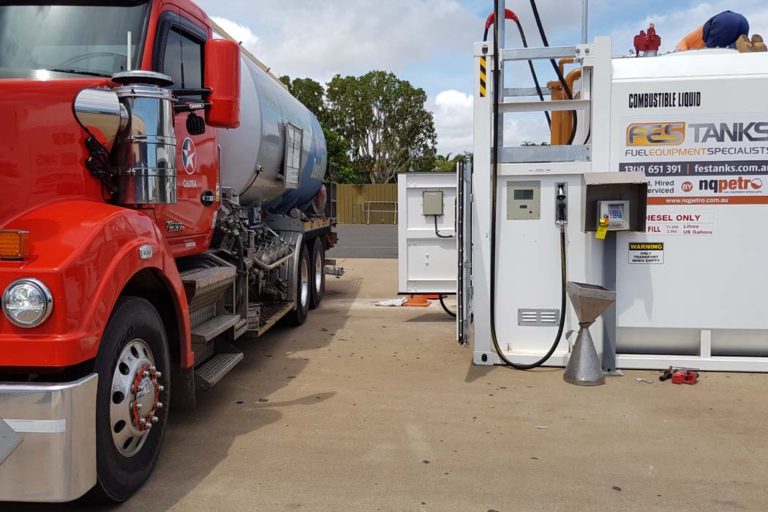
417 301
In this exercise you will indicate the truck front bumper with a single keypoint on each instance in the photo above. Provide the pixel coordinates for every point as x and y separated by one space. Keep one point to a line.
47 440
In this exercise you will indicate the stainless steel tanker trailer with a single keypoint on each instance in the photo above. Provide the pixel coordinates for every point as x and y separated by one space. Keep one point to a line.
274 223
271 229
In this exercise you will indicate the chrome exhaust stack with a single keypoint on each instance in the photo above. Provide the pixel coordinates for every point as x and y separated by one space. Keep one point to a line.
145 153
132 138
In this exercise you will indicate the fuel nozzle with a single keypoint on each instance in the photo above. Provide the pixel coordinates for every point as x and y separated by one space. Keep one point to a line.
561 206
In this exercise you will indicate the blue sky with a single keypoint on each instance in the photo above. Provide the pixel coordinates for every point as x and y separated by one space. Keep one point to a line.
429 42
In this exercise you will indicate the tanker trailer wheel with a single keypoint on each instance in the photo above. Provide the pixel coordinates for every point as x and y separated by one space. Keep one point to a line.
132 400
303 289
318 272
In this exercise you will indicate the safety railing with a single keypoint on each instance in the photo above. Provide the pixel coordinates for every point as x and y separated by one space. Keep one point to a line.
381 208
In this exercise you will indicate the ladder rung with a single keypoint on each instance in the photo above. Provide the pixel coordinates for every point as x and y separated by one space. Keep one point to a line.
532 154
550 52
550 106
525 92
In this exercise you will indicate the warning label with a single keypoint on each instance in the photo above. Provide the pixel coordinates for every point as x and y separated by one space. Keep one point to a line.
646 253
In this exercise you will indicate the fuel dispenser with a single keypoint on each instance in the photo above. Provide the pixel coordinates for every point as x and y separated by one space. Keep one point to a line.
652 189
543 215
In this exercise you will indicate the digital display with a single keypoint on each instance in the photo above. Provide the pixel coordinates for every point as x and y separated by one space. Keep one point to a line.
524 195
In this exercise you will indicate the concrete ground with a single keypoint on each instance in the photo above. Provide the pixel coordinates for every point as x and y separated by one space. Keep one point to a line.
365 241
378 409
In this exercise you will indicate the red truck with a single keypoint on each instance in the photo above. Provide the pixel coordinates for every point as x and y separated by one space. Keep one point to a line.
164 198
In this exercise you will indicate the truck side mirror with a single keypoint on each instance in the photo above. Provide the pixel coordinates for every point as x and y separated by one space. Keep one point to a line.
222 77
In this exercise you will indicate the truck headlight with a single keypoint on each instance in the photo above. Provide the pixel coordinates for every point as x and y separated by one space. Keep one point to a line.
27 303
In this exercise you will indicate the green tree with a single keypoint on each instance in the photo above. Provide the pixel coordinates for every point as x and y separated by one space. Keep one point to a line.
384 121
448 163
444 163
308 92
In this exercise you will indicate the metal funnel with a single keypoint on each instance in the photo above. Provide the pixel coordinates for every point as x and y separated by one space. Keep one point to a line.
589 301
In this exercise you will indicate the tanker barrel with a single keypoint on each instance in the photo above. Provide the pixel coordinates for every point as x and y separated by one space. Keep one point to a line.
275 129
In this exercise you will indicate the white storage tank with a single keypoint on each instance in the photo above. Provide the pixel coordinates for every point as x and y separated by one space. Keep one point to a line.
697 124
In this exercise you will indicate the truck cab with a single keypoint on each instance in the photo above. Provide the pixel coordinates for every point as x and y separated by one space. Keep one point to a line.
127 266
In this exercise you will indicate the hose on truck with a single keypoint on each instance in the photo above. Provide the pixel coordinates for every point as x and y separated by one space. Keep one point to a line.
498 125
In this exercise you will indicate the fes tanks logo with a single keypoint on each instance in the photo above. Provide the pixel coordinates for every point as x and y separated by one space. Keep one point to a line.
674 133
725 185
656 134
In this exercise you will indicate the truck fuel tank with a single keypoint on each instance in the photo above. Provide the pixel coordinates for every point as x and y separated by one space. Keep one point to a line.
277 157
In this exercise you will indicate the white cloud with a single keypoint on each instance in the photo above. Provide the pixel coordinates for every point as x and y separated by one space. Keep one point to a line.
319 39
453 121
240 33
453 113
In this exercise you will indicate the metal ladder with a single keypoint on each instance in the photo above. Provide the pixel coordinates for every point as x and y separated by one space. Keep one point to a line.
595 61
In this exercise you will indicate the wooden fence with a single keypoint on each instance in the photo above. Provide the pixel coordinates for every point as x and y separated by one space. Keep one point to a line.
366 204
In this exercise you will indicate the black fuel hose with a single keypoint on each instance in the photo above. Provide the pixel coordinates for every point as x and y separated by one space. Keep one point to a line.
498 124
445 308
568 92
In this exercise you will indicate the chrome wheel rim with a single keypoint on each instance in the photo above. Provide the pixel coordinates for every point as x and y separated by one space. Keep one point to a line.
304 295
319 270
134 398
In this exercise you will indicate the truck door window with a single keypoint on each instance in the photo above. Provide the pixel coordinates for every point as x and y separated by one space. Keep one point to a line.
183 61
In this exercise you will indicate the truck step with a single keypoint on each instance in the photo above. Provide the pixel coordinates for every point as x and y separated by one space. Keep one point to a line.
206 332
241 328
271 313
212 371
207 281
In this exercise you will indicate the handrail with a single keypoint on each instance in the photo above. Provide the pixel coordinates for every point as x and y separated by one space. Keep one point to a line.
368 211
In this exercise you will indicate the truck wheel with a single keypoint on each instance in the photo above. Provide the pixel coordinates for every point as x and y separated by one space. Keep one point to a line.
132 401
318 272
303 289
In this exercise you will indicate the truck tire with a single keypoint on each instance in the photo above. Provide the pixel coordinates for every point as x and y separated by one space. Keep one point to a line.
318 272
303 289
132 399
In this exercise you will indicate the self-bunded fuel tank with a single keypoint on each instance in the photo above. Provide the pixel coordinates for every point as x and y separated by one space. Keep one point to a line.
253 155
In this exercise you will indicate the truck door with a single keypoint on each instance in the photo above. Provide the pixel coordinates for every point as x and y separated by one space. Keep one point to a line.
179 53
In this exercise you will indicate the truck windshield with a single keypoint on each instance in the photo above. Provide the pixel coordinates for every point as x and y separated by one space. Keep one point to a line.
77 39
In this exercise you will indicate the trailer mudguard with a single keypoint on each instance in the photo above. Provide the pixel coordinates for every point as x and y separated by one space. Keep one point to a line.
85 252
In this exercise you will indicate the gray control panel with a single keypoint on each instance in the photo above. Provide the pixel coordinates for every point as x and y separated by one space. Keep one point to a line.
523 200
433 202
